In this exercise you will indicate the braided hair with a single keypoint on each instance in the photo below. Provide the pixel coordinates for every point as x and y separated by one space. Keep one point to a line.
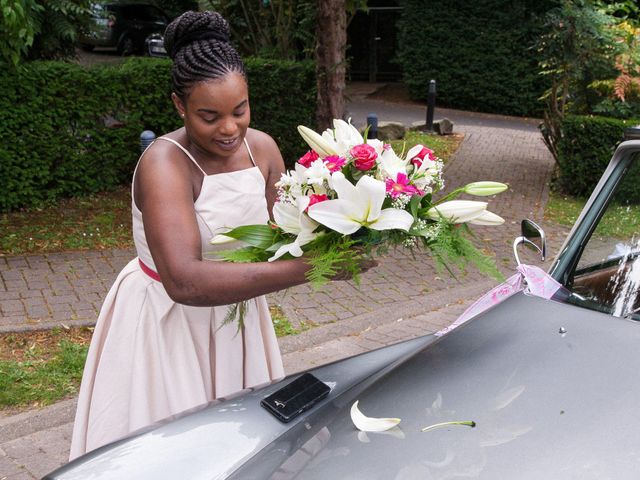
198 44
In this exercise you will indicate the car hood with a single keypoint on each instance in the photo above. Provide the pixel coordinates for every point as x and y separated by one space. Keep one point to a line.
546 404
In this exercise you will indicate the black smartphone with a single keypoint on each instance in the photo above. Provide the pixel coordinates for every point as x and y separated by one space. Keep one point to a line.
295 397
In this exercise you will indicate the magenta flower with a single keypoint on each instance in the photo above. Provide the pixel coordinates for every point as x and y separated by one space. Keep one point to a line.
308 158
316 198
401 186
334 163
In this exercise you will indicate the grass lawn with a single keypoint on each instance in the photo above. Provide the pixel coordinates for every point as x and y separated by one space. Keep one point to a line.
39 368
620 221
93 222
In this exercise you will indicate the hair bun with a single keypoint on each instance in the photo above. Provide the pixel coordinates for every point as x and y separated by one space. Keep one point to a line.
194 26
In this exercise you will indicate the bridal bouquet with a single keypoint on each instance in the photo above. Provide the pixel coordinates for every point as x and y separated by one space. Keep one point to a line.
349 195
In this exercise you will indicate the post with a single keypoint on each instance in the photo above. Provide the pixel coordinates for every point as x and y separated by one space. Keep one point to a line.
372 125
146 138
431 105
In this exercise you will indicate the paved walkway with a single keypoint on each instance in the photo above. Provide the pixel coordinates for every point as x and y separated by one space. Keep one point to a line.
404 297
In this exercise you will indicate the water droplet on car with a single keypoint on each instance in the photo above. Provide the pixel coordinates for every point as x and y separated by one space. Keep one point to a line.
562 330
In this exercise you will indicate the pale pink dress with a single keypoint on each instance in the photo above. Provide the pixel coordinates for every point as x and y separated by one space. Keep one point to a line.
151 357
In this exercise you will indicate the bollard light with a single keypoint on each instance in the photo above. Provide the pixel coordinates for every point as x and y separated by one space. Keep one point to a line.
372 125
431 105
146 138
632 133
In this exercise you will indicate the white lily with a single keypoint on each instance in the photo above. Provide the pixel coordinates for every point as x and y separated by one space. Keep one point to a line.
483 189
321 145
369 424
345 136
336 141
391 164
357 206
487 218
457 211
292 219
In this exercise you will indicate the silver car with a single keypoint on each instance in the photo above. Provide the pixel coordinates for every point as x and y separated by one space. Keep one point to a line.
550 385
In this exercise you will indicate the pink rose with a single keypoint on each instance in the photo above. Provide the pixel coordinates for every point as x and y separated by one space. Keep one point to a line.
316 198
308 158
424 153
364 156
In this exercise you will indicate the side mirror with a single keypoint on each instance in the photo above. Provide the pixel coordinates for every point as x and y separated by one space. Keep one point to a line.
533 237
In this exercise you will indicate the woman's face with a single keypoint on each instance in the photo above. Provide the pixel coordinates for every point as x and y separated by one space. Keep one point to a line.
216 114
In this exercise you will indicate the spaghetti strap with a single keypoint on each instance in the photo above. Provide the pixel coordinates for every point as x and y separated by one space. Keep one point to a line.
185 151
249 150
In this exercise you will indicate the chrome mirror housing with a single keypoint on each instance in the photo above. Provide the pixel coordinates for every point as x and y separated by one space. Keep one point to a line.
533 237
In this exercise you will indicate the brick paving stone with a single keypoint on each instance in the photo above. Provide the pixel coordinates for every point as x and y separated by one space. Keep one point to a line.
4 296
34 301
11 306
19 261
66 299
86 313
31 293
11 322
39 312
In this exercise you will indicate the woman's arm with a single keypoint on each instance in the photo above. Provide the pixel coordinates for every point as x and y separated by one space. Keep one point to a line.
164 193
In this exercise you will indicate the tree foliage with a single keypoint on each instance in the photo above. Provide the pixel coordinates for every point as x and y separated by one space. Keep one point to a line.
590 53
38 29
282 29
17 29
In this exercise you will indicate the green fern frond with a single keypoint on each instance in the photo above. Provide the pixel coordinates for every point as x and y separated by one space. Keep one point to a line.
331 254
237 311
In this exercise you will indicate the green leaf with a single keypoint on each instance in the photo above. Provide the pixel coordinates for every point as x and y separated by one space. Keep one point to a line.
261 236
414 206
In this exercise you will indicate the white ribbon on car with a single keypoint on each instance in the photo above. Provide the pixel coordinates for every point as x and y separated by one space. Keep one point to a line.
530 279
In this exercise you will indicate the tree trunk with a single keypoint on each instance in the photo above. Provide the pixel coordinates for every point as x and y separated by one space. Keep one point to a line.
331 44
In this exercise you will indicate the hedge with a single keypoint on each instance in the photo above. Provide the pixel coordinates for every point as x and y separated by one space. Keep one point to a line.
478 52
584 151
66 130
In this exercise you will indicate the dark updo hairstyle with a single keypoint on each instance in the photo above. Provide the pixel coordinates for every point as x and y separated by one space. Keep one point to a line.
198 44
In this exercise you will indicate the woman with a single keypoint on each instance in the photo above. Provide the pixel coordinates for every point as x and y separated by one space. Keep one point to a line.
159 346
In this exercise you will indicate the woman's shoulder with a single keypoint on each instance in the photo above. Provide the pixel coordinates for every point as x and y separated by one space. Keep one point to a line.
162 152
263 146
260 140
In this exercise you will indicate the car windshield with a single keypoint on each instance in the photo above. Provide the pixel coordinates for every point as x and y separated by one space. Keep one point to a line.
607 275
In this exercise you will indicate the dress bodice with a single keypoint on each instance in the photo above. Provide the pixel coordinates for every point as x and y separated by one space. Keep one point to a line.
226 200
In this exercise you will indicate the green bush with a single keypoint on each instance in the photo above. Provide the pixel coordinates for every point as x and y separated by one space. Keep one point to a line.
584 151
66 130
478 52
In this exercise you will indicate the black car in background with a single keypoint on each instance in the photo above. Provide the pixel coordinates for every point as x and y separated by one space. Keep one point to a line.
127 27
